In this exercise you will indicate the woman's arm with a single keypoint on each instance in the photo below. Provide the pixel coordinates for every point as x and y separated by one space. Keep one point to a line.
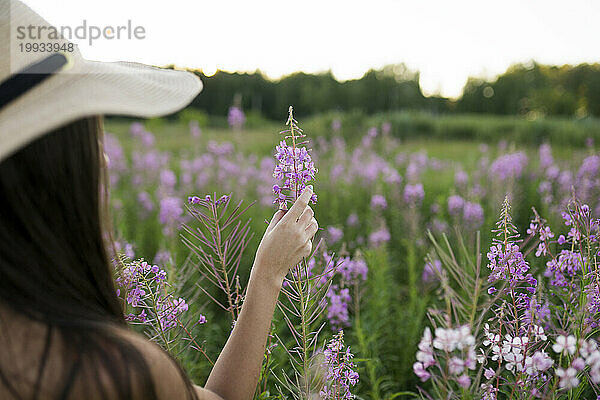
286 241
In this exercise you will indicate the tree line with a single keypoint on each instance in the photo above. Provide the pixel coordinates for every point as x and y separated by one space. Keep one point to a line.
524 89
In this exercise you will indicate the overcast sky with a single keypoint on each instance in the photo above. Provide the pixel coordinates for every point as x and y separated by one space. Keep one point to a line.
447 41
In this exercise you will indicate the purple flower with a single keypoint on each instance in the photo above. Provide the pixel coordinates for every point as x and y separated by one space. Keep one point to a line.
170 213
236 117
352 219
507 263
295 166
473 215
353 270
336 125
136 129
414 194
168 179
378 202
421 372
335 234
195 130
590 167
432 271
341 374
546 159
461 178
143 286
464 381
508 166
455 205
145 201
386 128
162 257
337 310
379 237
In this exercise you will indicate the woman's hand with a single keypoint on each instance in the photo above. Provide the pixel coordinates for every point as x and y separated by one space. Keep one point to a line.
287 240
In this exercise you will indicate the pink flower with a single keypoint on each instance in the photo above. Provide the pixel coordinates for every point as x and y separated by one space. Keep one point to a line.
464 381
421 372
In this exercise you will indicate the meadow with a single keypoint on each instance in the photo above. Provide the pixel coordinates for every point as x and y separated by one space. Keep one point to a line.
405 208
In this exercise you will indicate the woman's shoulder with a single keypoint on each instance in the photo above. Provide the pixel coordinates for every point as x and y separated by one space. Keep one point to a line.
169 379
170 383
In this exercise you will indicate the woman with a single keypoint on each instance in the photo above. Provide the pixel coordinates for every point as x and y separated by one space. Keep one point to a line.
62 331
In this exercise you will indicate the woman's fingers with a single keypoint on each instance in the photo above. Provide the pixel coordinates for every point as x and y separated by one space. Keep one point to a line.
306 216
312 228
299 205
307 249
276 218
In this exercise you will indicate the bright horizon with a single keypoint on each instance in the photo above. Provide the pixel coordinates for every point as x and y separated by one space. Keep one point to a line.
447 42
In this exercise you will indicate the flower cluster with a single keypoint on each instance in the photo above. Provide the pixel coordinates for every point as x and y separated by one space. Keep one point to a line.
236 117
527 347
341 371
295 166
414 194
352 272
508 166
452 350
144 288
507 263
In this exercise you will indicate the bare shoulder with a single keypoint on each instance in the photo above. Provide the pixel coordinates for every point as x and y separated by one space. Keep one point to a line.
167 376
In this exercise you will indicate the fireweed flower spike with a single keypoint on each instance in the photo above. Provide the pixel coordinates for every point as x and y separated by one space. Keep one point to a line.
150 300
341 374
538 341
295 166
306 288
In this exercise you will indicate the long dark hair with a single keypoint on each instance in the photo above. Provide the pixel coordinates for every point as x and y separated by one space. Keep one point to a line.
54 264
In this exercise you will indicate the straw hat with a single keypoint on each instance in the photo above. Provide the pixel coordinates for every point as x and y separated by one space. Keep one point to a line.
40 91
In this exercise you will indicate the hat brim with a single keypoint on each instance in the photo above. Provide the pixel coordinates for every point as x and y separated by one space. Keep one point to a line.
94 88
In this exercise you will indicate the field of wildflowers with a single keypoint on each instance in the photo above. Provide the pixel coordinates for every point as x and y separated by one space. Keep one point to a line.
398 299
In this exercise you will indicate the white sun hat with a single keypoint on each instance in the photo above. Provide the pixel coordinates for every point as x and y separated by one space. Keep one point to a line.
41 91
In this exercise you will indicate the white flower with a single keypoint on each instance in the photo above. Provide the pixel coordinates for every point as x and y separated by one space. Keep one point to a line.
513 344
481 357
471 357
578 364
539 362
491 338
568 378
587 348
425 342
595 373
456 366
565 344
499 352
514 360
445 339
464 337
519 343
593 358
538 331
425 353
426 358
421 372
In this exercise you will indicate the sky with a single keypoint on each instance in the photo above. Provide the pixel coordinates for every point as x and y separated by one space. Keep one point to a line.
446 41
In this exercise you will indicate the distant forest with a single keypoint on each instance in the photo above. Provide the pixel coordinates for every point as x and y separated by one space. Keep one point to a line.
523 89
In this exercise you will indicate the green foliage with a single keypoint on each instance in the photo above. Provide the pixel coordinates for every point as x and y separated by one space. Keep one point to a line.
468 127
191 114
531 90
